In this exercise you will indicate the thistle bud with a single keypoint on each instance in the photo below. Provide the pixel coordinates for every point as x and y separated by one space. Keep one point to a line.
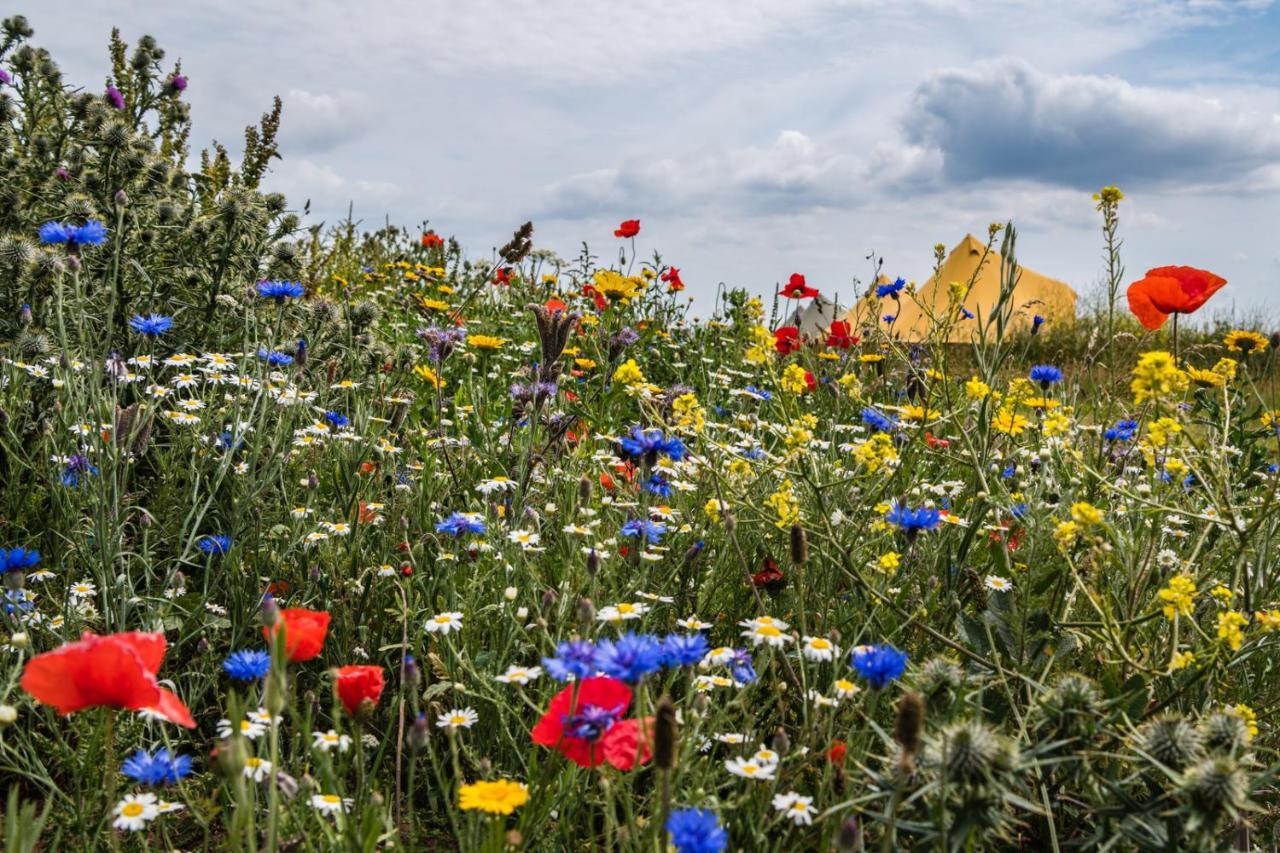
122 198
586 612
411 673
418 733
664 734
593 562
781 744
549 599
799 545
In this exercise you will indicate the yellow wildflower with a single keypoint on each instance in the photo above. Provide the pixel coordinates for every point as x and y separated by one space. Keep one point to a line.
976 389
429 376
485 342
629 374
1085 513
1178 596
1231 629
793 379
1250 718
1157 376
785 504
688 413
1244 342
502 796
1009 422
889 562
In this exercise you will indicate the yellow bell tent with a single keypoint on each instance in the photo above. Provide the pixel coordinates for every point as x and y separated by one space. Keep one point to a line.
1033 294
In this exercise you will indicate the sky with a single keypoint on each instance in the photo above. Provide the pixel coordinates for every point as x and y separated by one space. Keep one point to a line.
754 139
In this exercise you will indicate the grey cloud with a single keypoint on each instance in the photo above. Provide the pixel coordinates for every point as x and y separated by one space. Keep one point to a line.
1008 120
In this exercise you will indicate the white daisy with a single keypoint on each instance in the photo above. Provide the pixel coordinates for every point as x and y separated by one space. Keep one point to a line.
520 674
458 718
135 811
819 649
797 808
330 803
749 768
444 623
325 741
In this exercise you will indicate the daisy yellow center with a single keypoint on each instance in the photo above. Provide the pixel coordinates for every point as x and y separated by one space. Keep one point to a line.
768 631
749 769
626 608
457 719
820 644
332 799
132 809
442 620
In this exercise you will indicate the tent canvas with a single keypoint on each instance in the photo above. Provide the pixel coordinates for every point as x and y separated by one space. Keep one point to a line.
1033 294
815 318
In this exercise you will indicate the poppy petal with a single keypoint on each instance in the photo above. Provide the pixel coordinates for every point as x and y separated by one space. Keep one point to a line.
1143 308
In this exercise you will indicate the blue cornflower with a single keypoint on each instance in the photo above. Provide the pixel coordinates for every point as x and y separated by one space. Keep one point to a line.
461 523
1122 431
274 358
158 769
336 419
658 484
1018 510
214 545
573 660
879 664
650 443
878 421
1009 470
912 521
1046 375
651 530
17 601
630 658
77 466
152 325
92 233
741 667
696 831
889 318
892 289
759 393
280 290
250 665
227 441
1036 322
591 722
18 559
966 313
684 649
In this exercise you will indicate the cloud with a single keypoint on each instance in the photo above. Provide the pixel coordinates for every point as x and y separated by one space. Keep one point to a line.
303 180
312 123
1006 119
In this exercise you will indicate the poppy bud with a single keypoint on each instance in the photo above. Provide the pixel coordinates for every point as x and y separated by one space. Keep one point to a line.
548 599
907 728
122 198
1275 340
586 612
799 545
584 490
412 674
484 766
849 839
286 784
781 743
232 755
593 562
664 734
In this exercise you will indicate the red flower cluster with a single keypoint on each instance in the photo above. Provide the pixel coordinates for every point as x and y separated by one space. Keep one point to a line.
797 289
840 335
115 671
431 239
786 339
628 228
672 279
304 632
1171 290
358 683
590 730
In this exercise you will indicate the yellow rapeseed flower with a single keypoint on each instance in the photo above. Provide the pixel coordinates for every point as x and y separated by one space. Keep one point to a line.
1157 376
1231 629
1178 596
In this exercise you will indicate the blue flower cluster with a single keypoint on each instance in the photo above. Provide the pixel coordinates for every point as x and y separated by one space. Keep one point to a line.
251 665
460 524
18 560
879 664
214 545
162 768
1122 431
878 421
1046 375
92 233
912 521
151 325
651 442
891 289
629 658
651 530
280 290
696 831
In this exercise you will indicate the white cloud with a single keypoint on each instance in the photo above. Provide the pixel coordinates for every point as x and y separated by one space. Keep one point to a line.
312 123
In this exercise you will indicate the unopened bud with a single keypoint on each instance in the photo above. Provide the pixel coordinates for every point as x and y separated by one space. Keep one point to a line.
781 743
799 545
664 734
586 612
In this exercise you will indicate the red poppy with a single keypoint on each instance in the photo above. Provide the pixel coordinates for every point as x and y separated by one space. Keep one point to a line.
810 381
786 339
840 337
115 671
596 296
501 276
431 239
368 516
588 729
304 632
1171 290
797 289
836 753
628 228
554 305
935 442
358 683
672 279
770 577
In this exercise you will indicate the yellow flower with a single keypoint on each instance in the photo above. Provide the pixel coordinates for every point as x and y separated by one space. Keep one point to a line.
502 796
793 379
629 374
428 375
1182 660
1009 422
1108 197
1066 534
876 452
889 562
584 363
433 304
1085 514
870 357
616 286
1045 403
1244 342
1226 367
850 383
713 508
486 342
1206 378
919 413
1157 376
1245 713
1161 431
1271 420
800 431
1268 620
1222 593
1056 424
1231 629
784 503
688 413
1178 596
976 389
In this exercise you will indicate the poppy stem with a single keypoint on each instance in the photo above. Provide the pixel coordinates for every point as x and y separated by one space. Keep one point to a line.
1175 338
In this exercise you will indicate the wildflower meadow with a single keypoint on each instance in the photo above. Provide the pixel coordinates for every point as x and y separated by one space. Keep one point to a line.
334 539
